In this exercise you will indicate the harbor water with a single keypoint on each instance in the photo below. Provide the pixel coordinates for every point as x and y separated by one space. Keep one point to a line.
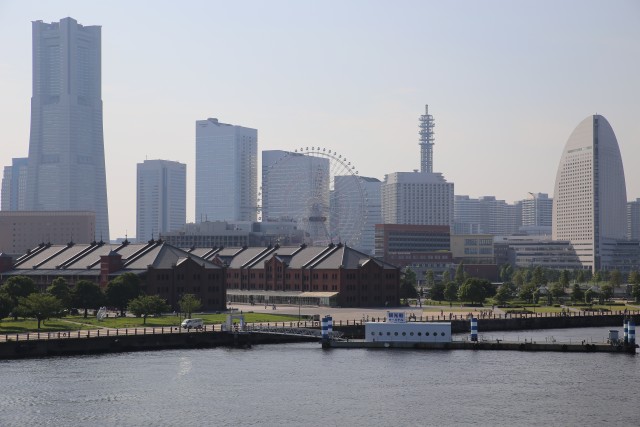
301 384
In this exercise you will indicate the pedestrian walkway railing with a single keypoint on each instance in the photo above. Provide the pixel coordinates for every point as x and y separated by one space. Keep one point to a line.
292 328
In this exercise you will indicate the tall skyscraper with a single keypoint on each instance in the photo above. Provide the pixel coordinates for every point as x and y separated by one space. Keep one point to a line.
226 172
66 170
590 200
417 198
161 198
14 185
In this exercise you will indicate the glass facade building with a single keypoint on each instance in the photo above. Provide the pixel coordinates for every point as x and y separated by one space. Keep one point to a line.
66 170
226 172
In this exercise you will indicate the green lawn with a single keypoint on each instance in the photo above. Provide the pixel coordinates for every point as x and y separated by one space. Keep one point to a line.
537 309
10 326
169 320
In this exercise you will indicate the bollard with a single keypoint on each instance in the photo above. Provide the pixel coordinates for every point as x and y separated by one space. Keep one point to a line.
325 328
474 329
632 332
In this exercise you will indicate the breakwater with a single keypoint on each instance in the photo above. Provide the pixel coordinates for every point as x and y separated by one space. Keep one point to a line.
81 345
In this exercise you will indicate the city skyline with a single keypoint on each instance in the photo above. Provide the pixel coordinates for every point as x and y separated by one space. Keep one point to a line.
505 83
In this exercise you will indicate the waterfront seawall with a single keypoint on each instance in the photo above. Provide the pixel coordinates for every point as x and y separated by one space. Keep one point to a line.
125 343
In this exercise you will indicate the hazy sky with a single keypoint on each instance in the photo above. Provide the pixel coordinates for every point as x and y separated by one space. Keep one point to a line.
507 82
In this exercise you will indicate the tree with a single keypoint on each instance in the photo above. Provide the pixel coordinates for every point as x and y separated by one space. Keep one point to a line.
502 294
589 295
518 278
564 279
451 291
596 278
408 284
472 290
429 278
576 293
556 290
459 276
87 295
189 303
6 305
123 289
17 287
615 278
59 288
446 276
635 292
606 292
41 306
437 292
580 277
145 305
506 271
526 292
634 277
538 277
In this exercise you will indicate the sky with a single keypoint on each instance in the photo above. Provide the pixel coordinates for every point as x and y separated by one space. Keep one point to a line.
506 83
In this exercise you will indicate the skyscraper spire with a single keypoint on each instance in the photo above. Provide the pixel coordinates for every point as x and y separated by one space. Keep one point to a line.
426 141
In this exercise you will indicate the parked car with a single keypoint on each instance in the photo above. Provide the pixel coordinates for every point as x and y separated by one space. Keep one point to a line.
192 323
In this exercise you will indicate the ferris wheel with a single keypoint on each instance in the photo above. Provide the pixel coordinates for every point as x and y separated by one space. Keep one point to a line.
319 190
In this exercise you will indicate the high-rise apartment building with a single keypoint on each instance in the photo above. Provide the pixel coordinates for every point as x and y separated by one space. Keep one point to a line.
537 210
226 172
633 220
161 198
419 198
590 199
66 170
485 215
14 185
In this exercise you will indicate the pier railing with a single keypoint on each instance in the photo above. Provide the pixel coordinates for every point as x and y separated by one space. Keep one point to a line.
255 327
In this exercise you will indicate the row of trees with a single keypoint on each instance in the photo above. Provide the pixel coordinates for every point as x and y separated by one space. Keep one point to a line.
20 298
530 285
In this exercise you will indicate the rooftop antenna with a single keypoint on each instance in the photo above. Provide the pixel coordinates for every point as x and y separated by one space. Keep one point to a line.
426 141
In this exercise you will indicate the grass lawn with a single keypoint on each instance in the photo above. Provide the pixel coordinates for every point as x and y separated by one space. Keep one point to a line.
10 326
543 309
170 320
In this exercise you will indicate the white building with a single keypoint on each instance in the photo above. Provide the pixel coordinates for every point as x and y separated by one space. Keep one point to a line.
537 210
356 206
418 198
66 170
161 198
226 172
485 215
590 199
296 188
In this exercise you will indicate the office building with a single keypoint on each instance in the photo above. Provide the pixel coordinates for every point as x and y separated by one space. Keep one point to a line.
590 199
14 185
66 170
226 172
417 198
296 188
485 215
161 198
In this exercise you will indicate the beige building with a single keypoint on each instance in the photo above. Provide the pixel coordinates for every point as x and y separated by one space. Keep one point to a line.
24 230
473 248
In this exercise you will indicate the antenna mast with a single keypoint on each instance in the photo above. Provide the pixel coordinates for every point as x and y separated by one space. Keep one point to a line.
426 141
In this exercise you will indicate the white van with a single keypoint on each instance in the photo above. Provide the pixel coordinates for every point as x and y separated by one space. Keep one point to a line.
192 323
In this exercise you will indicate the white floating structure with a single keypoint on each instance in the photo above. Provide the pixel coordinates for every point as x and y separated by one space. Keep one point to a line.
398 330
